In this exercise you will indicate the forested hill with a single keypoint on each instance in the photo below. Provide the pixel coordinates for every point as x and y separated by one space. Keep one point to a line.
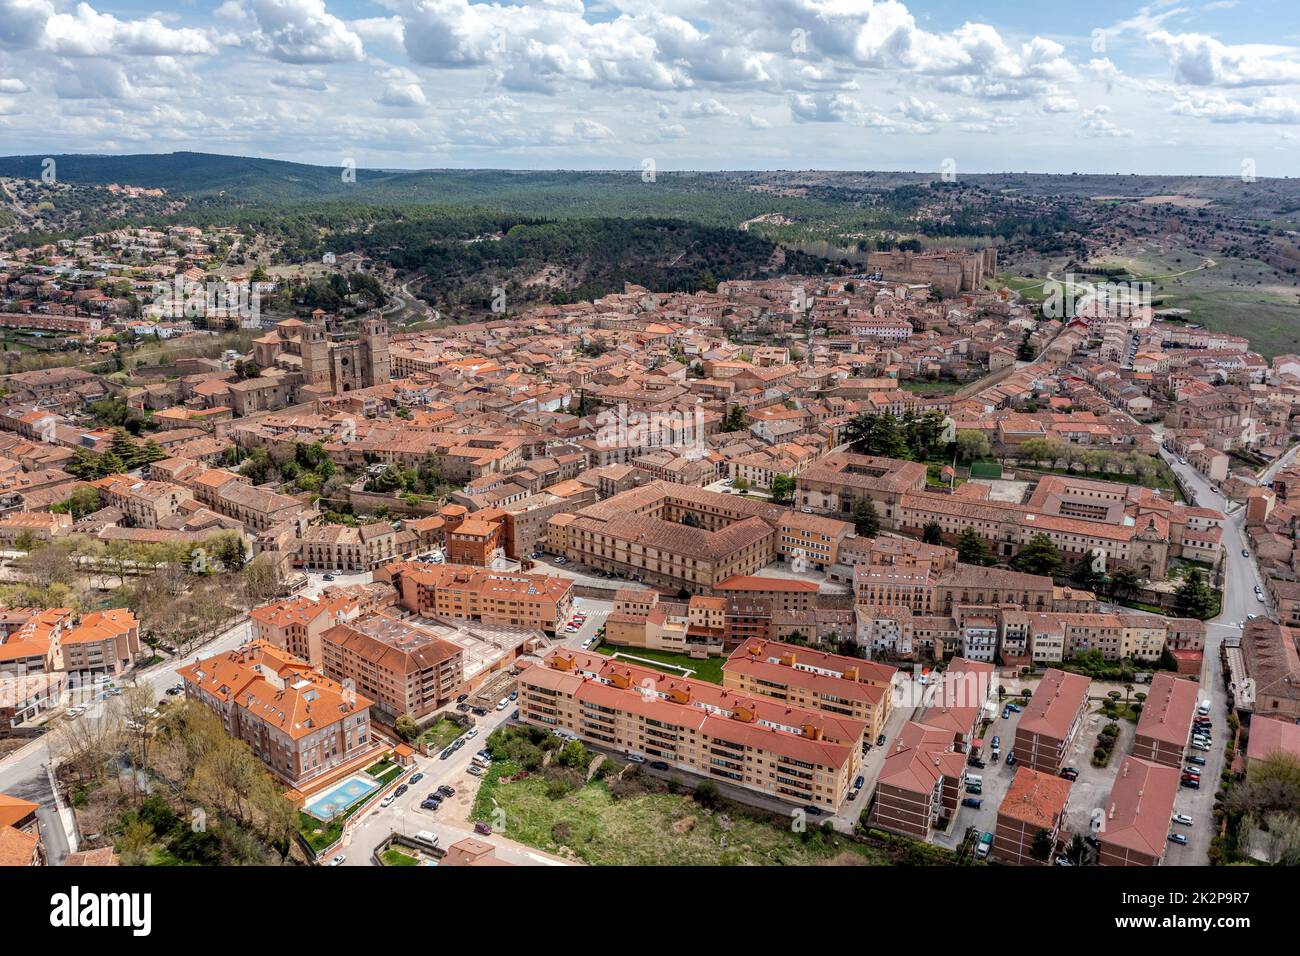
573 259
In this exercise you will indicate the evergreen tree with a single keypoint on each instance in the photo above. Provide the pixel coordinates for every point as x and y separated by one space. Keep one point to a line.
865 518
971 547
932 533
1038 556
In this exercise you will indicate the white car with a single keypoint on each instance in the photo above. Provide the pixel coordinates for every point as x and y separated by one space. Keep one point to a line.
337 860
1197 745
388 800
635 758
1183 818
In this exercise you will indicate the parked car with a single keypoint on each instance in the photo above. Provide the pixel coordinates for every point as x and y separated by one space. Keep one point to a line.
1199 761
430 804
880 740
635 758
329 577
474 770
1006 712
461 698
973 802
813 811
401 789
446 791
1245 552
446 754
1069 773
1178 838
997 742
1191 783
1183 818
337 859
658 765
416 778
1014 708
388 800
975 762
1011 759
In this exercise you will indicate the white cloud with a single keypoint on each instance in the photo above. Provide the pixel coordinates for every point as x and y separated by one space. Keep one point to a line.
301 31
1217 108
1199 60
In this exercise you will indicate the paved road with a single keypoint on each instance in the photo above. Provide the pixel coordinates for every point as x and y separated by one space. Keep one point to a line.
1241 574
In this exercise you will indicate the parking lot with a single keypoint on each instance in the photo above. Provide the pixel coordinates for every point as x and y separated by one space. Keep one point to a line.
595 611
997 781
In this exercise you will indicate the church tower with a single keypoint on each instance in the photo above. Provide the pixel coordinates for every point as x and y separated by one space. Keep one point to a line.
315 355
374 342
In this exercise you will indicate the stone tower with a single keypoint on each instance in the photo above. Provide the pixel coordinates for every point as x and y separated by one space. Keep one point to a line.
315 355
374 342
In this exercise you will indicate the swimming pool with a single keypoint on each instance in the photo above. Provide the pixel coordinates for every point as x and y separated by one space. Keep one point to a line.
327 805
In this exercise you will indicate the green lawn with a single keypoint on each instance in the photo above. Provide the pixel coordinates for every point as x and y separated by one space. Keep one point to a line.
395 857
941 387
705 669
440 735
657 828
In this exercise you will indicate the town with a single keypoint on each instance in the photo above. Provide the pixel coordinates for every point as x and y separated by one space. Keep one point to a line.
896 565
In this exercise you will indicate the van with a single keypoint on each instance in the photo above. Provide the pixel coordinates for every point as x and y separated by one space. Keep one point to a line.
503 703
425 838
974 778
1203 707
985 844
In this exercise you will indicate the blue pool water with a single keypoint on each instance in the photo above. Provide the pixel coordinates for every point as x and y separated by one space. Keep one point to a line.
327 805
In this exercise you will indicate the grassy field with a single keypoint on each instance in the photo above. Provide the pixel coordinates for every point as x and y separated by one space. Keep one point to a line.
932 388
657 828
442 733
709 670
393 857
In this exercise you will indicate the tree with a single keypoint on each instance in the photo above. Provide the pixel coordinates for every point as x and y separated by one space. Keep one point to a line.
1078 851
865 518
932 533
1038 556
1124 582
406 727
877 435
1041 848
782 488
735 420
1194 598
971 547
973 445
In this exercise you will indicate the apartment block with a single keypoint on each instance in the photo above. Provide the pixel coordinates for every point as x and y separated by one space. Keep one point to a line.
1166 721
1135 828
300 723
1034 804
402 667
477 594
1052 720
831 683
804 757
102 644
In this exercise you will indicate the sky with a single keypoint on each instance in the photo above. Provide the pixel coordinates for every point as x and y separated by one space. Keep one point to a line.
1197 88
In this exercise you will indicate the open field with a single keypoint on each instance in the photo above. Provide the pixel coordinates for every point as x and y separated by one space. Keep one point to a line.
709 670
654 827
